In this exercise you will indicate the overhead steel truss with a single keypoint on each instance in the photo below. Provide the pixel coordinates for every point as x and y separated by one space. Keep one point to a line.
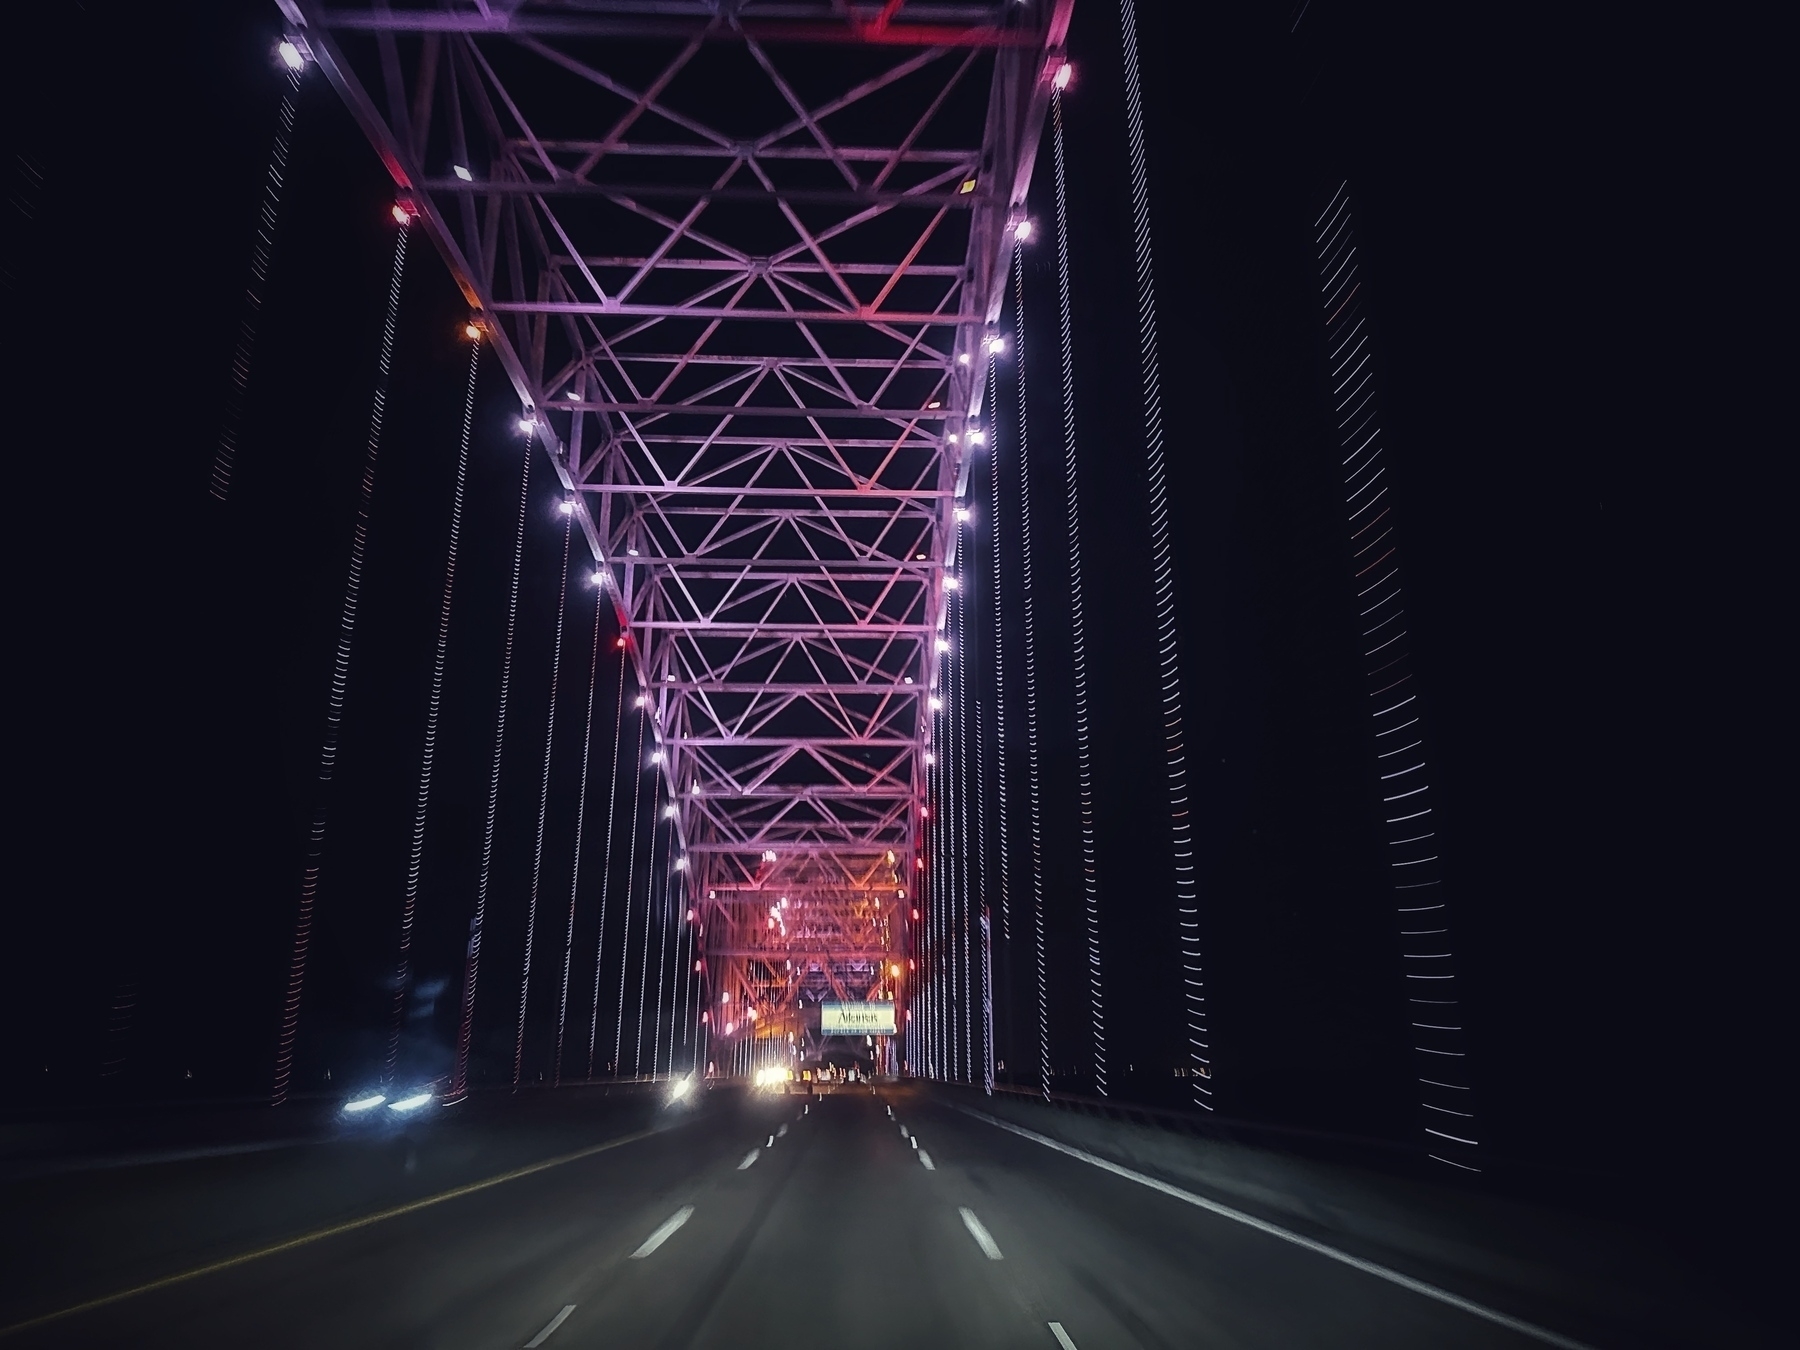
741 261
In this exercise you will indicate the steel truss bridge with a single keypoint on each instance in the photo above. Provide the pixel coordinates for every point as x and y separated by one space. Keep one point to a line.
741 262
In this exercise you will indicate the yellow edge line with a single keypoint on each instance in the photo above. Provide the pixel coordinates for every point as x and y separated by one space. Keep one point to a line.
320 1234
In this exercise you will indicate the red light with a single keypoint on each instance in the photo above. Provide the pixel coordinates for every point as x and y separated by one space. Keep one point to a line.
402 214
620 644
915 914
921 864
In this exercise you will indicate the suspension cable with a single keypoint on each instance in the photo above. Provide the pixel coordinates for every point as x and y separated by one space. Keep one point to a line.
961 733
662 958
612 809
587 747
237 392
1002 842
537 854
637 799
934 913
1181 827
1033 795
459 1079
1084 749
340 669
637 1050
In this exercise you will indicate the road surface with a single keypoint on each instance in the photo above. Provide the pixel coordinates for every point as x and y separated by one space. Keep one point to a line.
856 1220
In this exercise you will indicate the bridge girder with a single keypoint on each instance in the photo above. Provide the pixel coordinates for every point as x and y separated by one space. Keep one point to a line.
740 262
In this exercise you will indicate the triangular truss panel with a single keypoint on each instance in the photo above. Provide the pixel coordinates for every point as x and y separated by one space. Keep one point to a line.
741 261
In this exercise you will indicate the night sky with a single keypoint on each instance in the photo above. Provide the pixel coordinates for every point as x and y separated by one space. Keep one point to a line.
1564 271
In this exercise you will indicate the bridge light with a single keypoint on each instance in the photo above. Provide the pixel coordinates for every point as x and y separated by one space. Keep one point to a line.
943 644
978 438
403 216
566 507
935 703
1064 73
462 173
291 55
968 186
528 424
1022 231
669 811
963 359
725 997
908 679
994 346
681 864
901 894
894 970
935 403
572 395
962 513
641 699
951 583
471 330
631 552
921 864
656 757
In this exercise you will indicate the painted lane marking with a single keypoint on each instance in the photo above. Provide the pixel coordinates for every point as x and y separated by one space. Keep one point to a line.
782 1131
663 1234
1062 1337
771 1143
1380 1272
983 1238
925 1159
749 1158
903 1131
555 1322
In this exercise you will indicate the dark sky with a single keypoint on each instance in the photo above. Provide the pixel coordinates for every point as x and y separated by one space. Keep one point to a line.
1564 257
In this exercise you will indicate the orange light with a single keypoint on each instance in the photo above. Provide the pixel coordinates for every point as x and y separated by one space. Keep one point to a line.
894 970
471 330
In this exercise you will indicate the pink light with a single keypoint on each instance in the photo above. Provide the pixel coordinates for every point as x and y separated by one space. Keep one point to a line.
1064 73
402 216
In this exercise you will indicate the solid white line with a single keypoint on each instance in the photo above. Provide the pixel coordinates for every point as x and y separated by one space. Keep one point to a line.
1380 1272
1062 1337
555 1322
749 1158
983 1238
925 1159
663 1234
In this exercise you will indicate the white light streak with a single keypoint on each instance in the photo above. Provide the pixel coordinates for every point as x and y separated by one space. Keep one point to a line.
291 56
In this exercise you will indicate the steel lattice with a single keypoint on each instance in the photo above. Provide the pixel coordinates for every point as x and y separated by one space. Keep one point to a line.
740 261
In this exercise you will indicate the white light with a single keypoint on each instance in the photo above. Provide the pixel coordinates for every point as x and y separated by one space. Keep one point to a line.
962 513
656 757
1064 73
599 577
640 701
293 60
963 360
669 811
365 1103
943 644
1022 231
936 703
908 679
784 902
951 583
567 508
681 1088
929 757
462 173
952 438
412 1103
527 425
978 438
695 789
573 394
681 864
632 552
725 998
995 345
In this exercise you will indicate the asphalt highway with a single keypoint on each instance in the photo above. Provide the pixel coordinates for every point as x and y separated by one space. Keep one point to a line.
853 1220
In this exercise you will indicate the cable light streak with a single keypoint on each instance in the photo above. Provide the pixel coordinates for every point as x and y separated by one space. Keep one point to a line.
434 706
662 962
459 1080
1187 902
637 799
612 811
237 391
1084 748
1001 855
1337 261
637 1049
537 852
961 733
587 752
334 702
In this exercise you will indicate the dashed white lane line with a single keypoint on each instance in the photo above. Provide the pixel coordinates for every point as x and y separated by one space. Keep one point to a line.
555 1322
1062 1337
664 1233
903 1131
925 1160
782 1131
749 1158
983 1238
1431 1291
771 1143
